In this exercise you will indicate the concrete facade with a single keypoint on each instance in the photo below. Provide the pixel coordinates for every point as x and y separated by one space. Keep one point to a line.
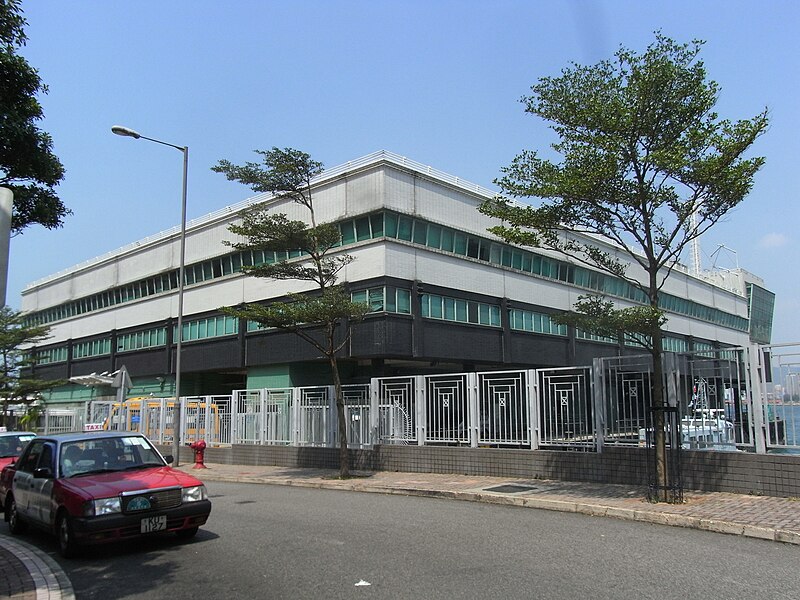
96 301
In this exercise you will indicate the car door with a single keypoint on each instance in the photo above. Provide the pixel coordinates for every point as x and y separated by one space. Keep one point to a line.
42 486
23 478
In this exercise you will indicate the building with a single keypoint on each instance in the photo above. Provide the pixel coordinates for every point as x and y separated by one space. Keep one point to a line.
446 297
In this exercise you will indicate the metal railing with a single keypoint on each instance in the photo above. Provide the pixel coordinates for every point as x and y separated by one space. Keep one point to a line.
725 400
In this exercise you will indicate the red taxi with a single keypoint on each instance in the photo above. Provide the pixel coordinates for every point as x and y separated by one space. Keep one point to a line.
11 445
93 488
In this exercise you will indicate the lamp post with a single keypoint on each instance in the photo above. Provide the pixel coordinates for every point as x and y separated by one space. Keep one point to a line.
177 411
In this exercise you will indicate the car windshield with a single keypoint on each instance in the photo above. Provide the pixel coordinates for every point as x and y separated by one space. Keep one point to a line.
101 455
12 445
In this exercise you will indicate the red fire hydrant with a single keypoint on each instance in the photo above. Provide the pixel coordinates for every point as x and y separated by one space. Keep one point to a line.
199 448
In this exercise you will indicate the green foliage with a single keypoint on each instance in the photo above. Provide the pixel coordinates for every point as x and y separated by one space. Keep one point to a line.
599 316
15 339
28 165
281 171
646 165
31 417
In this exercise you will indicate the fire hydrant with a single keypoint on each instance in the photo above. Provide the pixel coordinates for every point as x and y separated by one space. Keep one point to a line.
199 448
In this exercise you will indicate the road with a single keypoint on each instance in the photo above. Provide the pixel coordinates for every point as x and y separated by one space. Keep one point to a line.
279 542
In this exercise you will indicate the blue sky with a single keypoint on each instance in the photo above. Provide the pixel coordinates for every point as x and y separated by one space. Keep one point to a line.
436 81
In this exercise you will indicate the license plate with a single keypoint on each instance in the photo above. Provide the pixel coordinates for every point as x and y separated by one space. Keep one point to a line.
151 524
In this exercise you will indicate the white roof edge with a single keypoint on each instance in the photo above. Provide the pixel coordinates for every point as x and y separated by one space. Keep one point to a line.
327 174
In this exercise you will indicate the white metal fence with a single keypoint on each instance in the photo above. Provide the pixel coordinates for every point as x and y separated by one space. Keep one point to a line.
745 398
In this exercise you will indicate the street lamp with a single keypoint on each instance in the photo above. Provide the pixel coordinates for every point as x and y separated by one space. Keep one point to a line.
177 412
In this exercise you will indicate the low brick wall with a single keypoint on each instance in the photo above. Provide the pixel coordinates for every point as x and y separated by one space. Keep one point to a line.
738 472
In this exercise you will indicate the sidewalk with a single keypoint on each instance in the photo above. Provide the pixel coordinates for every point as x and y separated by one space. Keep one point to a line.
27 573
763 517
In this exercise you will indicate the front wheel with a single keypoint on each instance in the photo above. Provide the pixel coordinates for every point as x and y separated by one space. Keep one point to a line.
15 524
66 540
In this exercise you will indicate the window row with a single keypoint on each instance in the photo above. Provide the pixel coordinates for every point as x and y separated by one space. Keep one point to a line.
673 344
198 329
409 229
527 320
593 337
417 231
139 340
51 355
434 306
385 299
92 348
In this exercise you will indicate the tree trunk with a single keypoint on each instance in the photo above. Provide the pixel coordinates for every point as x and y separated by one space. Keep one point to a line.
659 428
344 455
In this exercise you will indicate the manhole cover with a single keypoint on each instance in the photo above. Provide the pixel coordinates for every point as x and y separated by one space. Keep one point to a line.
510 489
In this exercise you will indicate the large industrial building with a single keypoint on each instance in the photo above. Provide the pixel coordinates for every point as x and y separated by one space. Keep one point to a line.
446 296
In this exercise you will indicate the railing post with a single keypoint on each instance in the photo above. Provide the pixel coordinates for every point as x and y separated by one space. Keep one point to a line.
295 420
532 396
374 411
420 406
598 396
473 411
333 420
263 399
162 420
181 407
211 432
235 417
755 371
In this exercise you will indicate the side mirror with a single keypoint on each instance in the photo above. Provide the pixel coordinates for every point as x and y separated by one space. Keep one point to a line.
43 473
169 459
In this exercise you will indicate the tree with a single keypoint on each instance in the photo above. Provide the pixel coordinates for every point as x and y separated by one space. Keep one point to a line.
16 339
307 251
28 166
646 165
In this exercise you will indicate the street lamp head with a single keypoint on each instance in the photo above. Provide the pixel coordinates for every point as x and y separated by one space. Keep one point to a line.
120 130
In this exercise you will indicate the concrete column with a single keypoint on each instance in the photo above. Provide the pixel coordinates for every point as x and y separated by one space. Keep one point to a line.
6 202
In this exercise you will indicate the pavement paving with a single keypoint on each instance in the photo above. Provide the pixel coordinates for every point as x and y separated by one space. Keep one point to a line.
27 573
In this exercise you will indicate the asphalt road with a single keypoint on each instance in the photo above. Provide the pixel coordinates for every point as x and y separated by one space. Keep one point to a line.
278 542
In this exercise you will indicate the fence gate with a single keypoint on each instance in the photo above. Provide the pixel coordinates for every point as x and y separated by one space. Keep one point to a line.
62 420
313 416
447 409
566 413
276 416
397 410
247 415
357 414
624 396
503 408
713 400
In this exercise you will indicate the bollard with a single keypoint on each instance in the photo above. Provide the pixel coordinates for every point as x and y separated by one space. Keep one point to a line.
199 448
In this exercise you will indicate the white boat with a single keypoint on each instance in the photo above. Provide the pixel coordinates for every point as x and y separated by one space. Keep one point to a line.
705 429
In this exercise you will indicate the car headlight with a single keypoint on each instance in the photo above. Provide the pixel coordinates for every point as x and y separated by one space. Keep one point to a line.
103 506
194 494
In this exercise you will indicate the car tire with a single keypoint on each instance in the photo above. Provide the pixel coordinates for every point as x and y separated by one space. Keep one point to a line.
67 546
185 534
15 524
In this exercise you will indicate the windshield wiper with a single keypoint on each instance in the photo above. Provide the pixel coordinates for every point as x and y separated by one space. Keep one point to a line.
94 472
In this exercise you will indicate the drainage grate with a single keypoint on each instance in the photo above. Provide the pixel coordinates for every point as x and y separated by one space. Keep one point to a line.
511 489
